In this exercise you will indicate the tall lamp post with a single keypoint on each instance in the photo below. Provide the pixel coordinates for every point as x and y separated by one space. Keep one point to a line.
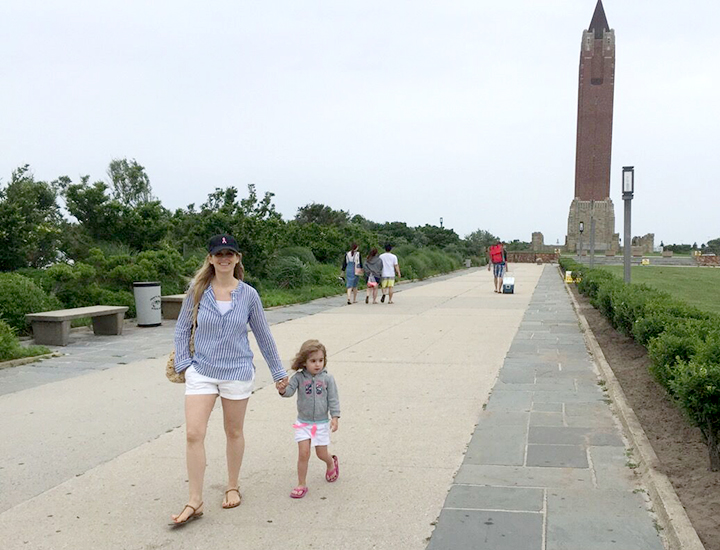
592 234
581 228
628 189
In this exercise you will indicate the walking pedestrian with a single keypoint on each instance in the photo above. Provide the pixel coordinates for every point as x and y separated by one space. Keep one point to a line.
497 260
352 267
222 363
390 269
373 275
317 398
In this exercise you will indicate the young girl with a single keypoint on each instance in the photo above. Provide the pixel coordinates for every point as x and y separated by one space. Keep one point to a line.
317 397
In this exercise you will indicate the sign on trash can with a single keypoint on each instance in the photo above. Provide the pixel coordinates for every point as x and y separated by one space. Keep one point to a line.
148 304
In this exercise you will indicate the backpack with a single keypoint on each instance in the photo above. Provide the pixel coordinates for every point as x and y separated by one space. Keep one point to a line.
496 254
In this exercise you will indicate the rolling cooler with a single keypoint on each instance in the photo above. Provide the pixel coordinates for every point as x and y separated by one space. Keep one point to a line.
508 285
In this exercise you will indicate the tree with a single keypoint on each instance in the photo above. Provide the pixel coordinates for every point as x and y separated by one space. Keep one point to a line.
131 185
713 245
439 236
29 222
477 242
103 218
321 214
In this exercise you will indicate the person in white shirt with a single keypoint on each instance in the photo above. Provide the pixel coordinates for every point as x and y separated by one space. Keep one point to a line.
390 269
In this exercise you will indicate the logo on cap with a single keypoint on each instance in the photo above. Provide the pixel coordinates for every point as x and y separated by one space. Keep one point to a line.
224 241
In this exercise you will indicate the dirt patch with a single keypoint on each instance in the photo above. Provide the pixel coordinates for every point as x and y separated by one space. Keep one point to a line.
678 445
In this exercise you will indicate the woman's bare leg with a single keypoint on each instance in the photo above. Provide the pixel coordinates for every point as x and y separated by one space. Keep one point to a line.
234 420
197 413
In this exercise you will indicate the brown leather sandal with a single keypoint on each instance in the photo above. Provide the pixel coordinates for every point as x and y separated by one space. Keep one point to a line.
237 490
195 515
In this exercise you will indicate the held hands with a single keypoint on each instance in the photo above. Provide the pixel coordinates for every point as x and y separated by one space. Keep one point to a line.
334 424
280 385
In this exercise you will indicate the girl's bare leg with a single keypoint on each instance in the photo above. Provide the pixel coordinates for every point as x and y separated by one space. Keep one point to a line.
197 413
303 460
234 420
322 453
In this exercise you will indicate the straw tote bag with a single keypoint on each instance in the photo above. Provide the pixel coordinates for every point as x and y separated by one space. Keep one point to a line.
179 377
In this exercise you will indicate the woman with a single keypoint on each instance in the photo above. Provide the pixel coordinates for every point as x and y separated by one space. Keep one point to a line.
352 266
222 363
373 272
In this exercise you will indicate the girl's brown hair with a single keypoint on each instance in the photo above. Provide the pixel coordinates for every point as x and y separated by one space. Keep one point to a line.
204 276
306 350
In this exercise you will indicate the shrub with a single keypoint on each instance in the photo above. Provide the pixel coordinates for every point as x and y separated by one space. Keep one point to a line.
603 299
670 348
696 386
19 296
592 280
629 302
302 253
290 272
708 352
71 283
10 347
324 275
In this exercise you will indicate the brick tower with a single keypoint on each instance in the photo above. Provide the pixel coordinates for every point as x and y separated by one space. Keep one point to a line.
594 139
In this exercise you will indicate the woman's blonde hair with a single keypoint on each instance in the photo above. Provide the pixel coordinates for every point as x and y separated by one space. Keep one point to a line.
306 350
205 274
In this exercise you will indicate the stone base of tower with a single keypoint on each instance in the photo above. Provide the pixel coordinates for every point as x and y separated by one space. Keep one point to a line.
603 212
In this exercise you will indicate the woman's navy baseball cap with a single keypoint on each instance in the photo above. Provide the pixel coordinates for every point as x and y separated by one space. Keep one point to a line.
222 242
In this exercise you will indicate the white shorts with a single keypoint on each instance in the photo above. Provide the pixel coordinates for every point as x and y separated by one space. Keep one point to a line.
304 431
197 384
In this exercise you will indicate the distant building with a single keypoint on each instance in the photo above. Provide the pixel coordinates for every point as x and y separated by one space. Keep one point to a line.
594 140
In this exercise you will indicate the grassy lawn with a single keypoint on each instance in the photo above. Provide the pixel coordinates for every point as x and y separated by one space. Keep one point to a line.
698 286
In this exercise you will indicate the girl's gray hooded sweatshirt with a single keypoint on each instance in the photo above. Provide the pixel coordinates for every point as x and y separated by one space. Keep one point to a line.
317 396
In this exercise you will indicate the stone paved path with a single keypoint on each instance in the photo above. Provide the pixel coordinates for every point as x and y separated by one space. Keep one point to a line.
546 466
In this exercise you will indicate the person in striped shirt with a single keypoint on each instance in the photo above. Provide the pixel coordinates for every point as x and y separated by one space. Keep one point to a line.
222 363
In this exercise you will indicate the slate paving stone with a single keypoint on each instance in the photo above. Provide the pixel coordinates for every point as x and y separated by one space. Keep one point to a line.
524 476
474 529
610 467
548 407
560 385
587 409
510 400
610 520
567 397
557 456
546 419
605 438
484 497
497 445
517 375
504 418
547 435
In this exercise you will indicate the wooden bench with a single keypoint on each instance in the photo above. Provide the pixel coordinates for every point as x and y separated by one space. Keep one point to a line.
52 328
171 305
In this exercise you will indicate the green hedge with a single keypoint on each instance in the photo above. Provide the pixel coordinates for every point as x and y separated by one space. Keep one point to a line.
18 296
683 342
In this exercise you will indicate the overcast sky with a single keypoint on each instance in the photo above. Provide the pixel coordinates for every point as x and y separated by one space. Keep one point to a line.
395 110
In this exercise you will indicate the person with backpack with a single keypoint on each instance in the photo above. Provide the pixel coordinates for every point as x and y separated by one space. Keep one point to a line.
498 262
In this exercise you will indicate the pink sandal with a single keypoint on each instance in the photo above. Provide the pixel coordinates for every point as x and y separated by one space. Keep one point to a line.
333 474
298 492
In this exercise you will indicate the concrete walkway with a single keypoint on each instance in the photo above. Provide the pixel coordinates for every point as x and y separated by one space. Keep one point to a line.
96 459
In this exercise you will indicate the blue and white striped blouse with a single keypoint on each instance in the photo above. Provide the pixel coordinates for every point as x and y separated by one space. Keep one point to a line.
222 348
